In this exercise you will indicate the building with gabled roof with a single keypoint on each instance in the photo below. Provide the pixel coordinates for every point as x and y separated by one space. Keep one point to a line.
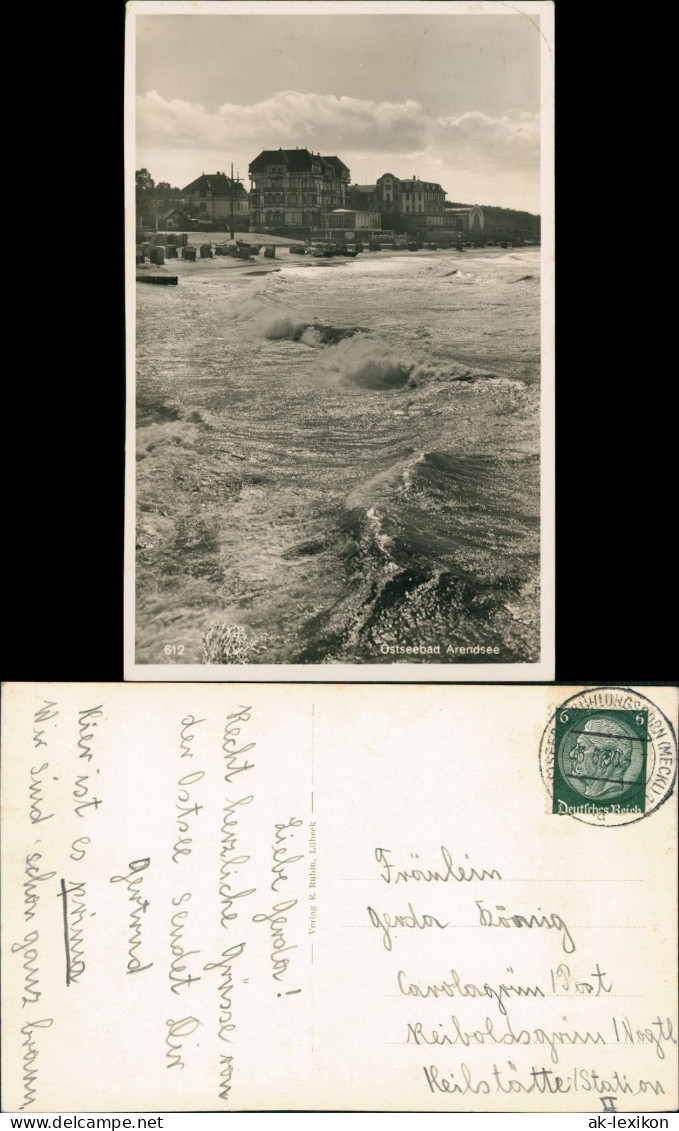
209 197
419 203
295 187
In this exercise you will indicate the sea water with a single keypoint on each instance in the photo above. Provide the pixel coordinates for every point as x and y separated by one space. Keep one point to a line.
339 460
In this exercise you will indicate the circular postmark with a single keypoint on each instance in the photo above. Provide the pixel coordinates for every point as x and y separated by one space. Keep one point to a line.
608 756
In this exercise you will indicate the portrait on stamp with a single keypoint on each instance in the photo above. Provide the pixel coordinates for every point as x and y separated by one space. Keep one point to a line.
600 758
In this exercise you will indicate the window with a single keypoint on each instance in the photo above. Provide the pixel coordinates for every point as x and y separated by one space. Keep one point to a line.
292 198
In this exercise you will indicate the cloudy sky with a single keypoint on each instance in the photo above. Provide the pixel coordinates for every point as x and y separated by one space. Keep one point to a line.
452 98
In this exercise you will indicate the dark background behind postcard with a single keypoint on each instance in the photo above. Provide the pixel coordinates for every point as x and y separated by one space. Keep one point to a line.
63 517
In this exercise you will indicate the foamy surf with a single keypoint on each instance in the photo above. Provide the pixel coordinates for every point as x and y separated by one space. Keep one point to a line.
335 462
352 354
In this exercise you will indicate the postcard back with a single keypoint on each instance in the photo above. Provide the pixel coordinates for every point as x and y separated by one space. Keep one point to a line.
239 896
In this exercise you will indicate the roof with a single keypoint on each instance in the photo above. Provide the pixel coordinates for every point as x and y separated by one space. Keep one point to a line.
217 183
336 164
418 181
465 208
363 188
295 161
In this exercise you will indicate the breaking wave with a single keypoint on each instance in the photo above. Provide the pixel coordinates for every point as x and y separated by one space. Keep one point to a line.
364 361
438 544
353 355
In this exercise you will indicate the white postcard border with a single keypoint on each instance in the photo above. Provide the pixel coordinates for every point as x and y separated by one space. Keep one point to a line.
543 669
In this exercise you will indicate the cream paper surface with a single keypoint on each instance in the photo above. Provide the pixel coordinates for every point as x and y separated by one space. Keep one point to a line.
233 880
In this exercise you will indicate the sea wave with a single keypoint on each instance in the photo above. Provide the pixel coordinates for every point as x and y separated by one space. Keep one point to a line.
354 355
175 433
439 544
367 361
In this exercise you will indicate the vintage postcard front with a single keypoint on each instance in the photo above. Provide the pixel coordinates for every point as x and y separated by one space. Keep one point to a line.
340 326
416 898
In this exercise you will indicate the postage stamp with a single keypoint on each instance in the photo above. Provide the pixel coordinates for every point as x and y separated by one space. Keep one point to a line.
608 756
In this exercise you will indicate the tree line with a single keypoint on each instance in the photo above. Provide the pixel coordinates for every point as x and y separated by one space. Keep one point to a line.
151 198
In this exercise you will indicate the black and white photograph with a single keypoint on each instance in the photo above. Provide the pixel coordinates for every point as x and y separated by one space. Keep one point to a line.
340 341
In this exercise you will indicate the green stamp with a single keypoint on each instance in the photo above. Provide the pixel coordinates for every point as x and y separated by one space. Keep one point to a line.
600 761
